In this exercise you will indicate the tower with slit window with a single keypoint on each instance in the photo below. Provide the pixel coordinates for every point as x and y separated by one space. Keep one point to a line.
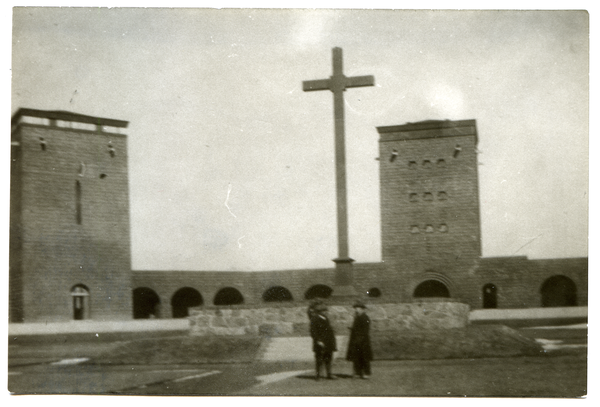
431 236
70 251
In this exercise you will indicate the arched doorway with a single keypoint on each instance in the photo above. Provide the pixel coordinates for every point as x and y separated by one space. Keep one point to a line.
80 295
559 291
183 299
318 291
277 294
490 298
431 289
146 303
228 296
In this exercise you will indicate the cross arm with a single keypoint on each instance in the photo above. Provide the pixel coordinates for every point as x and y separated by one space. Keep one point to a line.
357 81
319 84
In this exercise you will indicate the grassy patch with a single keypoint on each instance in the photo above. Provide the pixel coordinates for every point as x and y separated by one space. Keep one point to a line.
184 350
470 342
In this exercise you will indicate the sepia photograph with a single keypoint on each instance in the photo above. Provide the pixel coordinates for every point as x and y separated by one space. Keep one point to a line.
345 202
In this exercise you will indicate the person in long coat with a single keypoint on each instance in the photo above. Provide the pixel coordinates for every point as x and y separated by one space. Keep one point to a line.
324 343
359 345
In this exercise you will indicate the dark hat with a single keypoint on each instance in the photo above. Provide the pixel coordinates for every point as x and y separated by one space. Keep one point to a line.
359 304
314 304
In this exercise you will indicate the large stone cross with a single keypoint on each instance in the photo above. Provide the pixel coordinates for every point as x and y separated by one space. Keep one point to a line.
338 83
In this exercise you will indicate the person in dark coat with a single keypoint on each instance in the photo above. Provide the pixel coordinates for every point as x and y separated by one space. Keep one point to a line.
359 345
324 343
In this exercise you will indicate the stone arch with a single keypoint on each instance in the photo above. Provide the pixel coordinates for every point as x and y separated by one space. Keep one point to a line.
277 294
490 296
228 296
81 302
318 291
431 289
559 291
146 303
183 299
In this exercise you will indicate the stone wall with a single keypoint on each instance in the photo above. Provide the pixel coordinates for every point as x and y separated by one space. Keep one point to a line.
293 320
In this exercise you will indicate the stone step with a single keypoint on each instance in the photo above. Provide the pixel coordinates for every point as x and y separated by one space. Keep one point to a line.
298 349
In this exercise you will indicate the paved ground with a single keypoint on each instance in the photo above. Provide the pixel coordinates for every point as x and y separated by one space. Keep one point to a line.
297 349
561 375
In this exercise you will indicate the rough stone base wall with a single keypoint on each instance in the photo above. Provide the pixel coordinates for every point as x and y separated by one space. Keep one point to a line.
293 321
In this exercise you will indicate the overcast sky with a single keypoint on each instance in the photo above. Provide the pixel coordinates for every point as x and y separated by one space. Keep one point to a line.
231 163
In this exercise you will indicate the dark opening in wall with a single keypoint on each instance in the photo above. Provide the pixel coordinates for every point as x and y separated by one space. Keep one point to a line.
277 294
559 291
457 150
318 291
431 288
78 216
183 299
374 292
80 295
228 296
102 176
146 303
490 299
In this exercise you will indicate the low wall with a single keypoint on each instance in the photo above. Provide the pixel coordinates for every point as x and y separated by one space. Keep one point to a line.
293 321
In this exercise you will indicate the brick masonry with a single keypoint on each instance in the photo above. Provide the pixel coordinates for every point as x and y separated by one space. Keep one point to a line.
69 223
429 212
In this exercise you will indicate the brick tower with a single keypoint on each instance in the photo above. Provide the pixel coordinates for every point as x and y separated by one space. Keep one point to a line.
430 206
69 218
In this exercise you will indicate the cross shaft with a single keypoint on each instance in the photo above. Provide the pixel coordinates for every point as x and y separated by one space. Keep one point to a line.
338 83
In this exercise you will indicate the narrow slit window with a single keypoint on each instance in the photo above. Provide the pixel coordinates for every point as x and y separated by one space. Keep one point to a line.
457 150
78 202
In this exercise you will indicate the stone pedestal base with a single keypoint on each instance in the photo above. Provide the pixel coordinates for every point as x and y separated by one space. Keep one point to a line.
343 295
343 290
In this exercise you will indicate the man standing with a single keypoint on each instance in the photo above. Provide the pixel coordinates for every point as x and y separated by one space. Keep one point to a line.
323 340
359 345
